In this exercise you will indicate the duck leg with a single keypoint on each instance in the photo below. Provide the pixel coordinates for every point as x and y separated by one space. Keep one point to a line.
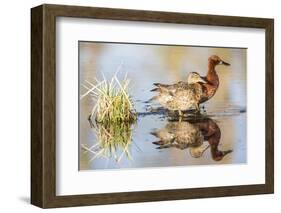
197 108
180 115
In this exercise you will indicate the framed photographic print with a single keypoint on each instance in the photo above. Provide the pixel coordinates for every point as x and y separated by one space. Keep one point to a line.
135 106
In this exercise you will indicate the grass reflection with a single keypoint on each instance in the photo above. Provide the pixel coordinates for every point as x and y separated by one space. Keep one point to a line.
114 140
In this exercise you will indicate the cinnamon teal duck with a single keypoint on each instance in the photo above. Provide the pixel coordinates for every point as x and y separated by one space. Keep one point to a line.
182 95
212 79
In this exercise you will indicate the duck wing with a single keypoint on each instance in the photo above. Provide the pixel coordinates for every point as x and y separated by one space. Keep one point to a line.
167 88
161 85
185 97
158 87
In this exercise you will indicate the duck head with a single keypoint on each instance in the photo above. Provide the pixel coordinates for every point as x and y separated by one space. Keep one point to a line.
215 60
194 77
218 155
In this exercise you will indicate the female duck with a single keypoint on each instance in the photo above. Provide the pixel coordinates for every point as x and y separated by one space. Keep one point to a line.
182 95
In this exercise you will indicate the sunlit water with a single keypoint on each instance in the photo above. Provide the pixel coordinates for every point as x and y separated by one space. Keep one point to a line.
145 65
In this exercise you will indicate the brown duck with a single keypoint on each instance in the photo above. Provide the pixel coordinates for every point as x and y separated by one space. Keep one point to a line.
212 79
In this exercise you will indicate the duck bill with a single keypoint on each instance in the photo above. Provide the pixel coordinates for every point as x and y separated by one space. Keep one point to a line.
224 153
202 81
224 63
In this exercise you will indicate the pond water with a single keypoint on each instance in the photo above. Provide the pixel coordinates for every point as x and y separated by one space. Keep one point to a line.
221 131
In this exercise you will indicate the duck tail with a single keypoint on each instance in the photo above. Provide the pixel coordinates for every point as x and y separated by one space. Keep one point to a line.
161 85
155 90
157 84
154 134
157 142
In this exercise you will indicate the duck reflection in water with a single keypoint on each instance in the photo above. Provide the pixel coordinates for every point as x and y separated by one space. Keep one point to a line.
192 134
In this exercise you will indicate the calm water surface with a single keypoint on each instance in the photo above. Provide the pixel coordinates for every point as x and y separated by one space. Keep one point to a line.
222 132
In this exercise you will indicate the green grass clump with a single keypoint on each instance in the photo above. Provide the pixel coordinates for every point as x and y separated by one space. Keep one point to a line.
113 103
